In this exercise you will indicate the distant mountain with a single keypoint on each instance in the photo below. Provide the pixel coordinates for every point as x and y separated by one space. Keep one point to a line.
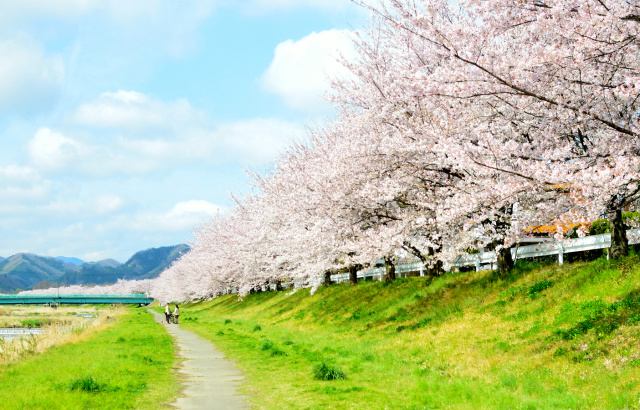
112 263
147 264
73 261
27 271
24 270
151 262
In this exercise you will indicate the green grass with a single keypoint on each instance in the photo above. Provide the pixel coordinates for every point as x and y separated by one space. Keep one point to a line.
548 337
128 365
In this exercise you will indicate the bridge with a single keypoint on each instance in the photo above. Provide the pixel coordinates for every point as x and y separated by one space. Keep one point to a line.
74 299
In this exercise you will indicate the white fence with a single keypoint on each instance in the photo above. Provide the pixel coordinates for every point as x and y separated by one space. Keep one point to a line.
487 260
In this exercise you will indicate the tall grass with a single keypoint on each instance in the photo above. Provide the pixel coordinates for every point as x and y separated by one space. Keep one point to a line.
547 337
125 363
55 333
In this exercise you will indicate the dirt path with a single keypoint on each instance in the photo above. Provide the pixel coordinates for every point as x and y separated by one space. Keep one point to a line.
210 381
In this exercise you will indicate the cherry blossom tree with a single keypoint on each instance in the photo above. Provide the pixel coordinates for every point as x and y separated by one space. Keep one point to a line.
462 125
549 89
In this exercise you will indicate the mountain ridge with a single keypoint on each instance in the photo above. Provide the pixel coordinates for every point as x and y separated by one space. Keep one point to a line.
24 271
71 260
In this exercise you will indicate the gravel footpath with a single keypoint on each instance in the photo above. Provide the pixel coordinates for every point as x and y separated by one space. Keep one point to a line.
210 381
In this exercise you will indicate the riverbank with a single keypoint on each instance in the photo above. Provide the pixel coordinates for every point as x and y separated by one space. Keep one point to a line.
124 363
21 316
44 327
549 337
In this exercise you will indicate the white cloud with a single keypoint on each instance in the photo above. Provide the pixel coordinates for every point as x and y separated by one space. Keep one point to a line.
54 151
170 26
146 133
194 207
183 216
19 184
18 193
251 142
258 141
131 109
63 208
300 70
29 80
105 204
130 133
100 205
14 173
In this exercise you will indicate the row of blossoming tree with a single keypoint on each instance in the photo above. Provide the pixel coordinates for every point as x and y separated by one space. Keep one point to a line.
462 125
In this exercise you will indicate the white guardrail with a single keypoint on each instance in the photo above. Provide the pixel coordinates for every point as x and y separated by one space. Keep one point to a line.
487 260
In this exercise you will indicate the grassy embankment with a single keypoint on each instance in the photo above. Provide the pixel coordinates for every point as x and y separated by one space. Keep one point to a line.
122 363
550 337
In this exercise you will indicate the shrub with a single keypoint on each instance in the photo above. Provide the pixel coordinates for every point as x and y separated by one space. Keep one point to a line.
267 344
227 321
324 371
560 351
599 227
539 287
633 319
278 352
257 328
87 384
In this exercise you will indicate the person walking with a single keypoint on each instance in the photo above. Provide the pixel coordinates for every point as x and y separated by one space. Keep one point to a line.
176 314
167 313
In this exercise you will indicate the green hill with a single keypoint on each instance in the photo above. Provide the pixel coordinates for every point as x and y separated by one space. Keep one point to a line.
145 264
27 271
24 270
549 337
150 263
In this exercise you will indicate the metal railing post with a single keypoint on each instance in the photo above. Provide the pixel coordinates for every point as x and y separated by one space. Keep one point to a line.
560 255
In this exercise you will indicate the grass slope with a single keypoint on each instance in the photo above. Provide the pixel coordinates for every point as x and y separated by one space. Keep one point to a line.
550 337
125 366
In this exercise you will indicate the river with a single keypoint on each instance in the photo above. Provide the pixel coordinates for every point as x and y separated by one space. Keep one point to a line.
12 333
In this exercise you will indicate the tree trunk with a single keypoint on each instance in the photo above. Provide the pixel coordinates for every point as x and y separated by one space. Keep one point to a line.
390 270
353 275
278 286
436 269
505 262
327 278
619 243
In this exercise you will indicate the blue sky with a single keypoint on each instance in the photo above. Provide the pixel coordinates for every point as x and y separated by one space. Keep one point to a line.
125 124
